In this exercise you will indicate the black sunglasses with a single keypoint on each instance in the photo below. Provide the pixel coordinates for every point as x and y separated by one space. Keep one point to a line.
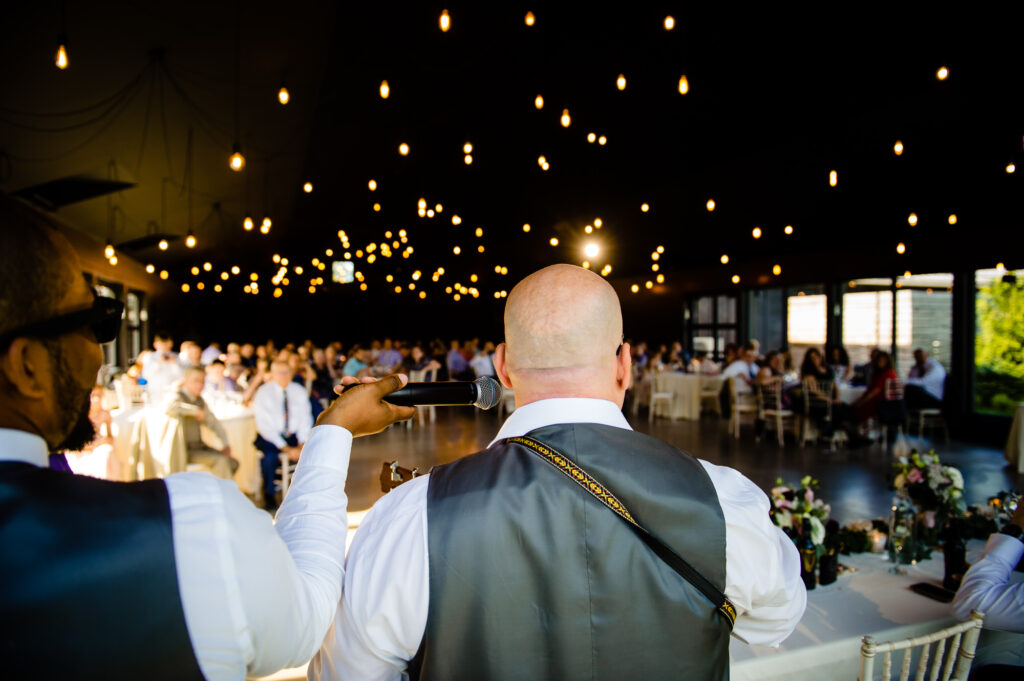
104 317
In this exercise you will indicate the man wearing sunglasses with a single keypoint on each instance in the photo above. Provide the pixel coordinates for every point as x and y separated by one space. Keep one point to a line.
179 578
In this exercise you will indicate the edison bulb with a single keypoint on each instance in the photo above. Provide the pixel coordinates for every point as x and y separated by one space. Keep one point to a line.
530 19
541 161
61 58
162 245
372 184
553 241
620 82
660 278
724 259
897 148
150 269
445 21
644 207
912 219
113 260
588 229
710 205
283 95
236 161
308 187
649 284
591 138
901 248
942 73
164 274
833 178
591 250
456 250
403 149
756 232
479 231
526 227
788 230
634 288
1010 168
602 140
776 270
247 224
385 89
456 220
735 278
184 288
467 148
538 102
190 241
468 159
376 208
108 251
684 85
565 118
598 223
952 218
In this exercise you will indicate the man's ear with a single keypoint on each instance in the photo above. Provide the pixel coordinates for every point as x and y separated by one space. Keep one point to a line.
22 367
500 367
624 367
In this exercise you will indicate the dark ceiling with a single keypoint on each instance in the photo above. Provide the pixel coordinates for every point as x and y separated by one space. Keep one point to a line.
778 98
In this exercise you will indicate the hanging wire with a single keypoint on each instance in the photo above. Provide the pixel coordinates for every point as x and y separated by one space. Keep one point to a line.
163 125
145 127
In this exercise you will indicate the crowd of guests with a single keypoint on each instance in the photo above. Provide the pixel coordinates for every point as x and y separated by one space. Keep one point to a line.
286 387
813 387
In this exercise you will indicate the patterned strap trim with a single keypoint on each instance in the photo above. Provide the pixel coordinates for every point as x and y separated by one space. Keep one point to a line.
605 496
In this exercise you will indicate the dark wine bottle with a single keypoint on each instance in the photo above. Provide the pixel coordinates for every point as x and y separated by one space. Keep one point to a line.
828 566
808 555
954 551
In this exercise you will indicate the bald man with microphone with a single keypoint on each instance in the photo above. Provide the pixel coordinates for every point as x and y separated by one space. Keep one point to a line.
572 547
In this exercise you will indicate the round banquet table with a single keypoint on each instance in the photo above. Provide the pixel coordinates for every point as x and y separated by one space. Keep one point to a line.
869 600
849 393
686 393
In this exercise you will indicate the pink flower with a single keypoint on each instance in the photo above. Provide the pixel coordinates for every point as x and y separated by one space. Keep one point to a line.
784 503
915 475
809 494
929 519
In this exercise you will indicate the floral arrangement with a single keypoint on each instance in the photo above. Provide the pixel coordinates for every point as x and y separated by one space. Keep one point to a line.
937 490
792 503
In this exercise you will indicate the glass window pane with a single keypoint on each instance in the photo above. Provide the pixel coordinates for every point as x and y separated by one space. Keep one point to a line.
999 340
705 310
806 322
727 309
867 318
924 318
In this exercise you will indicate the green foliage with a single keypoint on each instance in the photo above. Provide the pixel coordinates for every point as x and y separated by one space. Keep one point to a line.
999 346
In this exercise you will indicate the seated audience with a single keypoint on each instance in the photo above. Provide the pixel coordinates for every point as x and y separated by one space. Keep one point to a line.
742 369
482 363
283 423
358 364
161 369
191 408
839 363
418 361
458 365
925 383
191 355
389 359
217 380
866 406
210 353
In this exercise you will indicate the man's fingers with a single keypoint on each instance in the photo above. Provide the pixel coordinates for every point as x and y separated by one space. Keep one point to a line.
402 413
390 384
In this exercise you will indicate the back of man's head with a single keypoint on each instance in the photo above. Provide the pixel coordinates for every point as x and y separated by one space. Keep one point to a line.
561 317
34 271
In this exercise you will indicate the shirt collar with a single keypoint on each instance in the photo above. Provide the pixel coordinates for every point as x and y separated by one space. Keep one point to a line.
20 445
561 410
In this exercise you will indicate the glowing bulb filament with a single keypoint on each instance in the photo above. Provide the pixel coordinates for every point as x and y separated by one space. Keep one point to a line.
684 85
445 21
61 60
283 95
565 118
385 90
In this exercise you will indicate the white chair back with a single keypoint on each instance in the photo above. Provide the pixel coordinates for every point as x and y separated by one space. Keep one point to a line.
894 389
952 664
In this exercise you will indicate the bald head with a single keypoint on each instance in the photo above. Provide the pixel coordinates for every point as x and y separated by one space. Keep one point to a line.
562 317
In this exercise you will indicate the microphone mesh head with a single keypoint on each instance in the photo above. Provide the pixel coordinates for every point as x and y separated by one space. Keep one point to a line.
488 392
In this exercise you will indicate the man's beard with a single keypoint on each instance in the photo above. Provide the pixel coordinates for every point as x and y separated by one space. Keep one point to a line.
72 404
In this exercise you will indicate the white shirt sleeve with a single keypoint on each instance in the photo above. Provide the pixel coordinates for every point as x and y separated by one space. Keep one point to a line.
762 565
268 412
383 611
259 597
986 586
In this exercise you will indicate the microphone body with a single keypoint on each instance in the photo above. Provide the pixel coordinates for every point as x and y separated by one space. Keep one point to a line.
484 393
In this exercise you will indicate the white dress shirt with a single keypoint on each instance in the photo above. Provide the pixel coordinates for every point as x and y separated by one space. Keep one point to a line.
383 612
268 410
986 587
739 370
257 597
932 377
160 375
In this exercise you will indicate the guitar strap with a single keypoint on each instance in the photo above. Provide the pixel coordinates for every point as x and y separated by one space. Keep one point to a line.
660 549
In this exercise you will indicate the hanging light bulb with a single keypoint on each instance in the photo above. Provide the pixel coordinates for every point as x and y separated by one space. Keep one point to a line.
724 259
901 248
553 241
108 251
898 148
530 19
833 178
403 149
162 245
602 140
644 207
942 73
539 102
565 118
591 137
776 270
385 89
670 23
526 227
61 58
620 82
236 161
634 288
912 219
756 233
445 22
1010 168
308 187
265 227
710 205
283 95
952 218
788 230
247 224
735 278
684 85
150 269
190 240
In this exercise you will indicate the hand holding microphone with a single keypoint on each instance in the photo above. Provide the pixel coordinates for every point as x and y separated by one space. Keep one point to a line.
483 393
361 407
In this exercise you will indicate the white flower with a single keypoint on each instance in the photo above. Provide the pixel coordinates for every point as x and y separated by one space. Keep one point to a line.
955 477
817 531
784 519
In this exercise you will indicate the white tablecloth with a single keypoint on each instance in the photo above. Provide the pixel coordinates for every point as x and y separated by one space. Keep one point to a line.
686 390
239 425
1015 442
849 393
871 600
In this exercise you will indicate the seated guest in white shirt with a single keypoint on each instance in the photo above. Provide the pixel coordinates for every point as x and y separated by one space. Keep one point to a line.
191 408
482 363
986 588
161 368
925 383
217 380
501 565
743 369
284 420
180 578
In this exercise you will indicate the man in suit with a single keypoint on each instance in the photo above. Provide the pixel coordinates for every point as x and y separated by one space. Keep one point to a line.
284 419
181 578
189 405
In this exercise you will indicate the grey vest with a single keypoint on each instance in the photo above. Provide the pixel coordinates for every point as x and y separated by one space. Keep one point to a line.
532 578
88 584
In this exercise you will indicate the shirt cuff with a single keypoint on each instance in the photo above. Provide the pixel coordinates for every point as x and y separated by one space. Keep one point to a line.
1005 549
328 446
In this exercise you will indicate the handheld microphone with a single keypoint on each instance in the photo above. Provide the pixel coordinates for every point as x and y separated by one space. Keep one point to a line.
483 393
